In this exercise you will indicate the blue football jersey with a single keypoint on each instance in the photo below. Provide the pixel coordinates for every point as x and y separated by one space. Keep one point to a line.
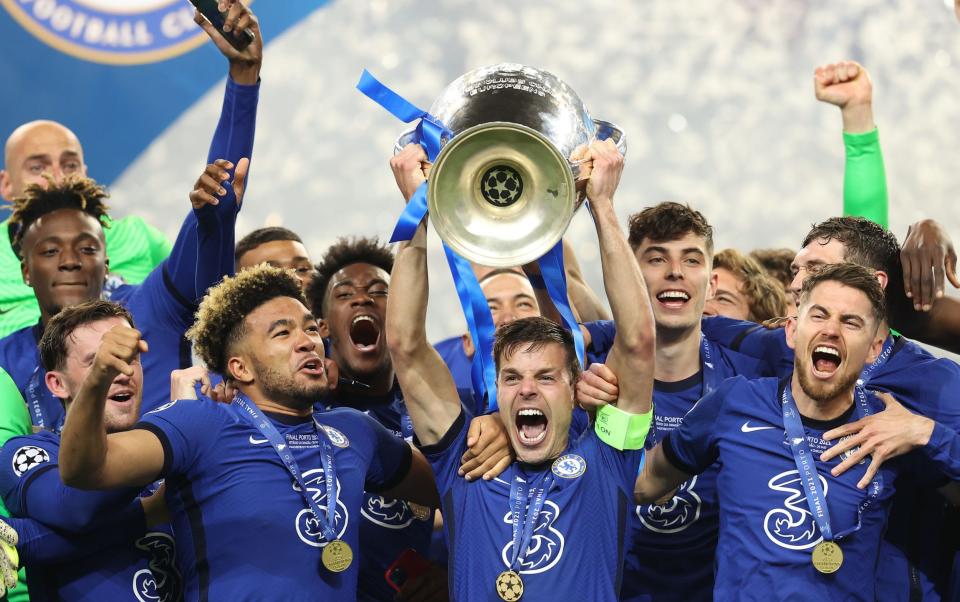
576 549
234 504
452 353
767 533
388 526
136 564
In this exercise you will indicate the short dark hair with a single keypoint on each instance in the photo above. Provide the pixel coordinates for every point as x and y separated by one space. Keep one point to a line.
56 333
220 318
501 272
776 262
864 242
344 252
73 192
532 334
669 221
765 295
854 276
261 236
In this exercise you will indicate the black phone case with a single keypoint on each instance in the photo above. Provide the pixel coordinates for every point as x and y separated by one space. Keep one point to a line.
237 39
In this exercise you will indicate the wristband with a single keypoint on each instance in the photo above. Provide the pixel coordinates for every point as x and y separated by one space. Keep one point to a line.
622 430
536 281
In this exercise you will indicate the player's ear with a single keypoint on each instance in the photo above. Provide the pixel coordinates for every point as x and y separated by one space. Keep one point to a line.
791 332
883 277
712 287
57 384
239 370
876 347
323 327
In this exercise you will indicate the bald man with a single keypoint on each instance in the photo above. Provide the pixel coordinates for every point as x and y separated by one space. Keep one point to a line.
41 149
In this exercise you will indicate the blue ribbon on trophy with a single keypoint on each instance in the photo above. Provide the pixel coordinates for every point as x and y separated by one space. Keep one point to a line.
507 190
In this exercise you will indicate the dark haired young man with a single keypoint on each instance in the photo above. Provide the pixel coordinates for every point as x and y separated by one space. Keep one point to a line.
671 547
552 524
115 555
912 561
264 483
790 526
276 246
63 255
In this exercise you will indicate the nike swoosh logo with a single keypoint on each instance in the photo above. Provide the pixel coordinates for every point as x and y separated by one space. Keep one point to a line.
746 428
257 441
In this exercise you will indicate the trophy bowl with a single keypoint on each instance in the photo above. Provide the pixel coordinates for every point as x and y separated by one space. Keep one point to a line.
502 190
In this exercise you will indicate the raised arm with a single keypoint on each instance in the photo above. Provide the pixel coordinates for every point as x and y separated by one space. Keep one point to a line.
89 457
428 387
658 478
632 355
847 85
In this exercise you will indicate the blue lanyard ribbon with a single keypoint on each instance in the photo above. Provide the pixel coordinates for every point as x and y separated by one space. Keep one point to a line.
555 277
806 467
37 395
711 374
885 353
524 514
326 519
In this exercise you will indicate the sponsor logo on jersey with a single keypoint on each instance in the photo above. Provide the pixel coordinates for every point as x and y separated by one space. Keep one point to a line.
546 545
161 582
746 428
165 406
391 514
791 526
676 515
569 466
309 527
29 457
118 32
336 437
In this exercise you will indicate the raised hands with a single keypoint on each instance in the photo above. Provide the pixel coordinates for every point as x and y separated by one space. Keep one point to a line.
847 85
210 185
410 169
601 167
244 64
119 351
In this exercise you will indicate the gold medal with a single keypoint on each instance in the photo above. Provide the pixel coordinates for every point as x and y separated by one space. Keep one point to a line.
509 586
827 557
337 556
423 513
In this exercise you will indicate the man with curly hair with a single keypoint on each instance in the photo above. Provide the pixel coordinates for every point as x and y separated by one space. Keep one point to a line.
264 483
59 226
744 290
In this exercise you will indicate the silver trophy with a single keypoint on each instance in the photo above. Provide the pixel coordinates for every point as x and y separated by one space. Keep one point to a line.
502 190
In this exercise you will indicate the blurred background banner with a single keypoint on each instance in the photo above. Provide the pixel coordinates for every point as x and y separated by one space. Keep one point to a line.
716 99
117 72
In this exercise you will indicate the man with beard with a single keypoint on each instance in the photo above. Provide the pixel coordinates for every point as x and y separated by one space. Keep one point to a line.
789 527
350 294
139 561
264 483
551 527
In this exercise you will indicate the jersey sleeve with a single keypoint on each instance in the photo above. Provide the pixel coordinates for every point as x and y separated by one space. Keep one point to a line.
390 459
623 466
693 447
31 487
444 455
943 451
753 340
602 333
864 177
184 428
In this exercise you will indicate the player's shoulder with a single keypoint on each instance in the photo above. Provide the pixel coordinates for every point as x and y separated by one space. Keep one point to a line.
23 454
740 394
18 340
741 364
908 354
183 411
344 426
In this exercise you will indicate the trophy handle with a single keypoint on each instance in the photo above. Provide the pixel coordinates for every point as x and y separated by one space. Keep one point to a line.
604 130
408 137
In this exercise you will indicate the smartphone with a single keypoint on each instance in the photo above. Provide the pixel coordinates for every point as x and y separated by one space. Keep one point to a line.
237 39
408 565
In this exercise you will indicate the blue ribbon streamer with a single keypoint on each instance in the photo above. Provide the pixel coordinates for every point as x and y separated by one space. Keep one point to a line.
412 215
483 374
555 277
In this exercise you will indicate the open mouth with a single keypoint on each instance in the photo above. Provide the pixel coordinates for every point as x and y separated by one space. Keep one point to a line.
121 397
673 298
313 367
531 426
364 333
826 360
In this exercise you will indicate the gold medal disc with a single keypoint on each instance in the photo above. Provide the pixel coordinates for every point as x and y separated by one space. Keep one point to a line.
337 556
509 586
827 557
423 513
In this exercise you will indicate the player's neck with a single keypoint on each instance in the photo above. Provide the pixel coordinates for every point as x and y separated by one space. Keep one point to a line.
678 354
820 410
266 404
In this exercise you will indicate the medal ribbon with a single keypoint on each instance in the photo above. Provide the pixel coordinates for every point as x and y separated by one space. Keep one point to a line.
816 499
37 394
327 519
524 515
711 375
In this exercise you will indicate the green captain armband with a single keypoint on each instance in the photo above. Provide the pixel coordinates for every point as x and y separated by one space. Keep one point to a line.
622 430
